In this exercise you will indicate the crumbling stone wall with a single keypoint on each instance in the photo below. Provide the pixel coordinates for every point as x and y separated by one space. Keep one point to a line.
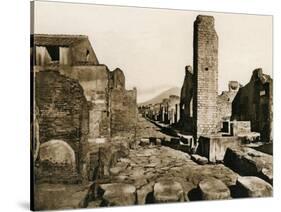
123 105
95 82
206 76
253 103
173 111
165 110
186 101
117 80
63 112
83 52
224 102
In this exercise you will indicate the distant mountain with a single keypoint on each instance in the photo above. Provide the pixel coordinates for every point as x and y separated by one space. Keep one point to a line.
163 95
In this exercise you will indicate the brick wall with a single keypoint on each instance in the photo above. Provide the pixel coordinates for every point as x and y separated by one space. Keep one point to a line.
95 83
206 76
63 112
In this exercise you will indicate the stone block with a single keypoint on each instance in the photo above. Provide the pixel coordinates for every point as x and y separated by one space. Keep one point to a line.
254 187
240 127
213 189
267 175
117 194
143 192
249 162
214 147
144 142
199 159
60 196
168 191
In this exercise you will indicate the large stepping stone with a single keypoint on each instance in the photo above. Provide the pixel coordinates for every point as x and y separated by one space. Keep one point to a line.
213 189
199 159
267 175
254 187
249 162
168 191
143 192
60 196
117 194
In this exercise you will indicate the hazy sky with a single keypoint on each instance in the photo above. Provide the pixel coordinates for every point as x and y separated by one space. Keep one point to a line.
152 46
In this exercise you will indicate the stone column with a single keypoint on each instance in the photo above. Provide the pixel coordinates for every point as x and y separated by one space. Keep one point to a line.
205 47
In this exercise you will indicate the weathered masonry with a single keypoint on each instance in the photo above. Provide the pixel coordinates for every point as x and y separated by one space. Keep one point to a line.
186 101
253 103
74 57
80 103
205 63
63 125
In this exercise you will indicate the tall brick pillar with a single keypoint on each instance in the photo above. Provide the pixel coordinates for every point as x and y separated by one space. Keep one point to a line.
205 63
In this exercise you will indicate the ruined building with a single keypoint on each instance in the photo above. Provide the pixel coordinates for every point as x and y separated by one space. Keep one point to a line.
224 102
79 101
123 105
253 103
186 101
244 112
174 109
205 64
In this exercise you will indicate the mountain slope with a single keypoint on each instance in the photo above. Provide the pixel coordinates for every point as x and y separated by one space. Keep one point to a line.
163 95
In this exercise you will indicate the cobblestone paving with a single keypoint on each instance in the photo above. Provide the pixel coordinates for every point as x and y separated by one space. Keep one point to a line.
158 174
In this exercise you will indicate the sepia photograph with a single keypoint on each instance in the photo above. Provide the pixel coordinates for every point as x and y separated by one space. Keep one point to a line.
137 105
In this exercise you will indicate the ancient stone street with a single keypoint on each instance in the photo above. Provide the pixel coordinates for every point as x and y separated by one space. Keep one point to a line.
95 144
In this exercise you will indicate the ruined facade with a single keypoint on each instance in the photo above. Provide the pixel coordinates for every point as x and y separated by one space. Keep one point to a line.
224 102
174 109
63 115
63 50
80 102
205 64
123 104
253 103
186 101
97 81
205 113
